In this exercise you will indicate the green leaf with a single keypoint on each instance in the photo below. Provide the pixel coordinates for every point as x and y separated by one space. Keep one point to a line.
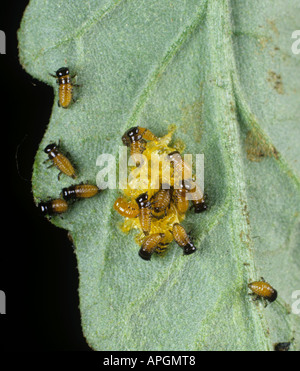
223 72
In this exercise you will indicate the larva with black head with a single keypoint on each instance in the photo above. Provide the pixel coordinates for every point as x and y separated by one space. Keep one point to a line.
59 160
183 239
145 212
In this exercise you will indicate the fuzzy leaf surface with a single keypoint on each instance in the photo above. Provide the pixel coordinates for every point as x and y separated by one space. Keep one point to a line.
223 72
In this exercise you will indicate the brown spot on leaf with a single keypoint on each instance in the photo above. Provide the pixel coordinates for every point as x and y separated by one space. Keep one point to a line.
276 81
257 147
273 26
263 41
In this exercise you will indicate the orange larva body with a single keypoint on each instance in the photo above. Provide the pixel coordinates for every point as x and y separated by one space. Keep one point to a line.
65 90
135 138
180 200
65 93
182 175
163 244
264 290
146 134
128 209
60 161
145 213
150 244
64 165
183 239
145 220
137 148
161 200
198 200
80 191
52 207
181 169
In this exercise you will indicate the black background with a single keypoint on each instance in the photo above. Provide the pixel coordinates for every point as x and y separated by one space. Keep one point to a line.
38 268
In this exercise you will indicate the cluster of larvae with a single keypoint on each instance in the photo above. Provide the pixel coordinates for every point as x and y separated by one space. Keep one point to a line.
157 212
